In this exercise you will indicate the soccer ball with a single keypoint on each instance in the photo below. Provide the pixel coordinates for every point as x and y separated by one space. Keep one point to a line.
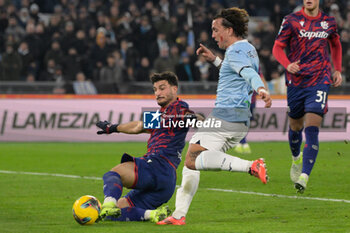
86 209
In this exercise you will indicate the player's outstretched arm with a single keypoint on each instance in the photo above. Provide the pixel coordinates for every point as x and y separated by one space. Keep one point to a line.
133 127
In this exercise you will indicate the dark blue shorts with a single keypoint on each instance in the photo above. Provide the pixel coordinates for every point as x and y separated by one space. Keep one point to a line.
155 181
304 100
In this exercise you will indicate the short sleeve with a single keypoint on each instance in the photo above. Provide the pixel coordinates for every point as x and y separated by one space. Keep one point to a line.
238 59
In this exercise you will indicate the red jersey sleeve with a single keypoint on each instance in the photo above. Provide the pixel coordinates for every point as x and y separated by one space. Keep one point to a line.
336 49
279 54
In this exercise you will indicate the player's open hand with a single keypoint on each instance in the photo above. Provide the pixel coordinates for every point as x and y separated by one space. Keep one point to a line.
107 127
293 67
337 79
206 53
265 96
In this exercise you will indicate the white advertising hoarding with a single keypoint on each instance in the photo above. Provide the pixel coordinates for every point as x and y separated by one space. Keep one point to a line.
74 119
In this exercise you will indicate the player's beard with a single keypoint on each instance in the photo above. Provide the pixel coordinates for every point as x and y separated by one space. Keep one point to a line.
164 101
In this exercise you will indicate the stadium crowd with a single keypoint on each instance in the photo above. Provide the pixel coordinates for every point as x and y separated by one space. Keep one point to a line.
84 42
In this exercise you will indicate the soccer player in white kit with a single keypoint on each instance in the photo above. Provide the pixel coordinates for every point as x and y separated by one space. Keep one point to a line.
238 78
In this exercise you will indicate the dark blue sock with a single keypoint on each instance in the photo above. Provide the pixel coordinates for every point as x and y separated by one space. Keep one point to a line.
295 139
243 141
113 186
310 149
131 214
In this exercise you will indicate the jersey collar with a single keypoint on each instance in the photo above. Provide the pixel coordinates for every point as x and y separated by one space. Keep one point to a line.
310 17
238 41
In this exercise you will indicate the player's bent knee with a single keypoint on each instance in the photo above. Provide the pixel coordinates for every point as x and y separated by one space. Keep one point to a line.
122 203
190 164
193 151
115 169
126 172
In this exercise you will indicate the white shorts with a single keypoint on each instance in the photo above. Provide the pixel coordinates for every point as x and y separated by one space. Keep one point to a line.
223 138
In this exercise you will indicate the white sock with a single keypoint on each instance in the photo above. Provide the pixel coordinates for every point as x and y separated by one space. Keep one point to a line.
297 157
147 214
184 194
110 199
217 160
305 176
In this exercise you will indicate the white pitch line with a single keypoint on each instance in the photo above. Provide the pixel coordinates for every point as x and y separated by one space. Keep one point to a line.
51 174
209 189
279 195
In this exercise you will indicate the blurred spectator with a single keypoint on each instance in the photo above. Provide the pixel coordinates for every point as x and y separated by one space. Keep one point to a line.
336 14
26 57
83 21
204 68
130 58
23 17
143 72
112 73
49 73
67 37
30 77
186 71
14 29
145 35
157 45
82 86
34 12
164 62
114 16
58 76
11 65
54 24
33 40
55 53
181 42
205 40
269 66
276 15
3 21
71 64
345 40
99 53
80 43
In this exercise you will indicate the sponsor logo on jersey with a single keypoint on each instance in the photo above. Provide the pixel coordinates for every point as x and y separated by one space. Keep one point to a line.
324 25
310 35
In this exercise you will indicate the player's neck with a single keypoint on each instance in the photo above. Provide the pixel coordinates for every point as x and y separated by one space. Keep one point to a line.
312 13
234 40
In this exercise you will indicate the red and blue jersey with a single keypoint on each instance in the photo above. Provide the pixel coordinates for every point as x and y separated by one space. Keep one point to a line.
307 39
169 141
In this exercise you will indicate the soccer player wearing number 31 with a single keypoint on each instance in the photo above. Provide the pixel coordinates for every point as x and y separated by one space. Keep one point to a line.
307 34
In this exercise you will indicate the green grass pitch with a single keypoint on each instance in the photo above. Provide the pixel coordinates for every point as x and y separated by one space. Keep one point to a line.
41 202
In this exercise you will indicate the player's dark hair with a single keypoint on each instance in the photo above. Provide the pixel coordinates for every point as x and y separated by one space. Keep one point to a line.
235 18
167 75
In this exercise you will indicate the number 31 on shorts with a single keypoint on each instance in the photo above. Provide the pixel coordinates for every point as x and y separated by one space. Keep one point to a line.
321 97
